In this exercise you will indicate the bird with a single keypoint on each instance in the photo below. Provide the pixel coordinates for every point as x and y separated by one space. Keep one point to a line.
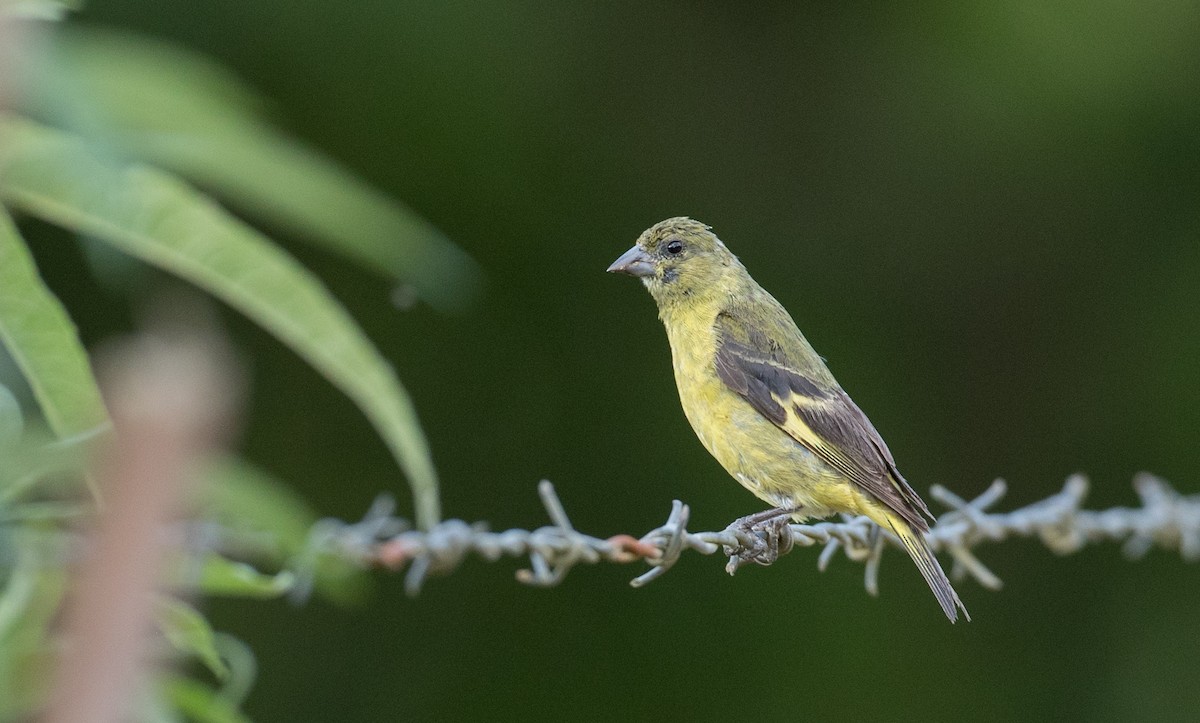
763 402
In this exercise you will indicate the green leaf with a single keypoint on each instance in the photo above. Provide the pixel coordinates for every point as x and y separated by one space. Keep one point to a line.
159 219
39 335
298 190
189 633
226 578
186 114
200 702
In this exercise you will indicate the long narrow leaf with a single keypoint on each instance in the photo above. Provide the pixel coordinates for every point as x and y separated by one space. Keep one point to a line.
40 337
297 189
159 219
185 114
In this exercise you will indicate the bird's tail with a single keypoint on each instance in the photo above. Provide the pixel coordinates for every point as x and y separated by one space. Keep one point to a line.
918 549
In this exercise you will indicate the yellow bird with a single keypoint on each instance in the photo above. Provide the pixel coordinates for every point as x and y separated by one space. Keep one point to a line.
764 403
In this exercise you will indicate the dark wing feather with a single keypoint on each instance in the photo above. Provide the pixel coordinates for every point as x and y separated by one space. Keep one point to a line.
817 414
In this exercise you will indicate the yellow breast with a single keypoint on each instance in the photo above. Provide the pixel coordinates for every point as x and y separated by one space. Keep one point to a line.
703 395
755 452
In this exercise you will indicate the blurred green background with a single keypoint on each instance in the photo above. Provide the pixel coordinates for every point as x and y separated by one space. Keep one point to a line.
984 215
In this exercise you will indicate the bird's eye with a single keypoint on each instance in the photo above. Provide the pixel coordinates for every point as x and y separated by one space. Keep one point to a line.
674 246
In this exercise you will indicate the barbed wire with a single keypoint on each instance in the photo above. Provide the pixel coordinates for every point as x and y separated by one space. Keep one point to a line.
1166 519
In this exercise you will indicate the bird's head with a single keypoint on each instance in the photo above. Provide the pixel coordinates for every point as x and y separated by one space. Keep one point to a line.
679 260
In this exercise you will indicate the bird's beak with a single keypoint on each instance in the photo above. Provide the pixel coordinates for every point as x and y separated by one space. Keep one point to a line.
634 262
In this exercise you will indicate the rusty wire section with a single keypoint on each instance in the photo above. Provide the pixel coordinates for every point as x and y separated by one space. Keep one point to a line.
1166 519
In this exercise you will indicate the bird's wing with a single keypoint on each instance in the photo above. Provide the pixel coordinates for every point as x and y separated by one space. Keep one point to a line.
816 413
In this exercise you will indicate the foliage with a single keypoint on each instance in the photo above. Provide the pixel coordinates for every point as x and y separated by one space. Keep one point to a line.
111 141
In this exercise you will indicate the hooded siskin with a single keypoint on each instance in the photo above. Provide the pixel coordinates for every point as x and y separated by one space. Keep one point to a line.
762 401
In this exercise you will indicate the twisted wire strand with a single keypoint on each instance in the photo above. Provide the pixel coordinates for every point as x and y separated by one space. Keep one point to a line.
1165 519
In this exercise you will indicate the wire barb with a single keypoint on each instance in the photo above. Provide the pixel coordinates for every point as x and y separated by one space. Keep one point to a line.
1166 519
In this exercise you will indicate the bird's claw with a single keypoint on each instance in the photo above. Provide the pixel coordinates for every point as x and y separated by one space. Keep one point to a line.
761 537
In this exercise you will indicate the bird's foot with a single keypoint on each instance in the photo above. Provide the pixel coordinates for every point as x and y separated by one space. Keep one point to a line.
762 538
